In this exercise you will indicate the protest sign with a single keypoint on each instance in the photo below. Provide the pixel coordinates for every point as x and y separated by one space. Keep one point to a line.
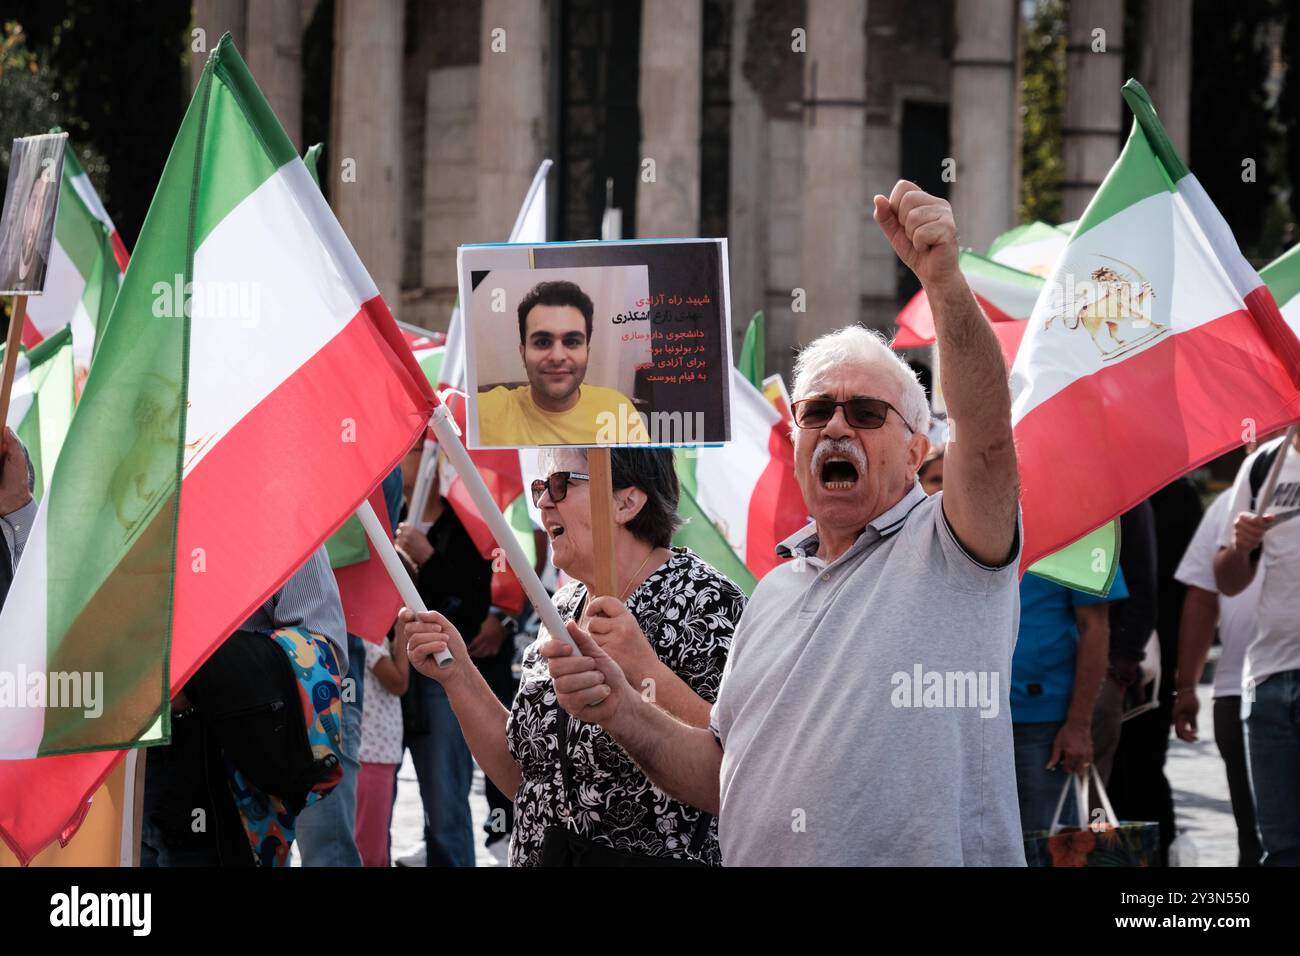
597 344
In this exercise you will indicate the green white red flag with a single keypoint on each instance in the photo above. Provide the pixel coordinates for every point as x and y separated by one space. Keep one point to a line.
741 499
1033 247
1006 295
41 403
87 260
250 391
1282 276
1153 348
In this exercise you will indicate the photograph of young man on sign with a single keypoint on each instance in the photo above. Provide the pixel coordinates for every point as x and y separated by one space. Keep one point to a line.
596 344
31 203
557 405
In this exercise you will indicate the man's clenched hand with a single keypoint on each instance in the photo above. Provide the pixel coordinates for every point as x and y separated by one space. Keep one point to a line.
922 231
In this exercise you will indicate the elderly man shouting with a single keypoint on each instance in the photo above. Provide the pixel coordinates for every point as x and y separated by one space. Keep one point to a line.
863 713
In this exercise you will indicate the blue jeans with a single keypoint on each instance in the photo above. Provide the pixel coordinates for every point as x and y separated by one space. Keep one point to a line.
327 830
445 769
1272 725
1037 787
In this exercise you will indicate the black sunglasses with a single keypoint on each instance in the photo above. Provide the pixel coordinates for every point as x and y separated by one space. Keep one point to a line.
858 412
557 483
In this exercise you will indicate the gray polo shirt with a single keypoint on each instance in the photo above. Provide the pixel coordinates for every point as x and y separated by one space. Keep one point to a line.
864 713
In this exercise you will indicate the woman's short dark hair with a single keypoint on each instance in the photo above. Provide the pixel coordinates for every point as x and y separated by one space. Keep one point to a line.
557 292
652 470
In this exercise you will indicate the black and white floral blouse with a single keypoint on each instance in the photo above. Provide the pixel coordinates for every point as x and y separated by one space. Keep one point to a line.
688 610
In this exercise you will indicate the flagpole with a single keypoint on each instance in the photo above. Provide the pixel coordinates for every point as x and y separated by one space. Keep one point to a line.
11 355
1270 484
393 565
539 182
423 483
444 426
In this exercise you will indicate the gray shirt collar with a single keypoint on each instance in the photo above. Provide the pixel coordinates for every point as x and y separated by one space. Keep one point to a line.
806 541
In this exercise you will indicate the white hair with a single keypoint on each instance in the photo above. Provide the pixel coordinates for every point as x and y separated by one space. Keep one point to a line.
858 347
548 458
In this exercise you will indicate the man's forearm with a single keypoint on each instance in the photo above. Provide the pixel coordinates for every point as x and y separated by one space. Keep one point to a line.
1090 662
971 363
1195 635
1233 571
683 761
981 478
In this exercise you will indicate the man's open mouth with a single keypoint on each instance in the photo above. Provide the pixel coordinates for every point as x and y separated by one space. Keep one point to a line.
839 474
555 530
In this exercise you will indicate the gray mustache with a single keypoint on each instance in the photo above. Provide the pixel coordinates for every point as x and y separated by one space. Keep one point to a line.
838 448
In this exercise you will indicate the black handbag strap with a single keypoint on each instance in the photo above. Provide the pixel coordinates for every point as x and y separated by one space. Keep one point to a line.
701 830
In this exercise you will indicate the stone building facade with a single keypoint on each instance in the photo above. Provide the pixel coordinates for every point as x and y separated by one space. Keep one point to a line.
769 121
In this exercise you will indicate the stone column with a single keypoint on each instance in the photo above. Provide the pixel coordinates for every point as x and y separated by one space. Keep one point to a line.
834 202
514 57
985 80
215 17
671 52
450 191
749 186
274 55
1094 73
1167 65
365 152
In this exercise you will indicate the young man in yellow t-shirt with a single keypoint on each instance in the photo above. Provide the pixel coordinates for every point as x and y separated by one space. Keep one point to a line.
555 407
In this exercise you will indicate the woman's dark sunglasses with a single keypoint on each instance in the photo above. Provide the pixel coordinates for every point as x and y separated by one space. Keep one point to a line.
557 484
858 412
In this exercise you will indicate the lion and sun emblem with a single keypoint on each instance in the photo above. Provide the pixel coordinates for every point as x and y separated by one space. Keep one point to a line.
1114 306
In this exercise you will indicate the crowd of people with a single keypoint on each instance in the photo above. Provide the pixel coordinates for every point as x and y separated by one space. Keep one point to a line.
812 724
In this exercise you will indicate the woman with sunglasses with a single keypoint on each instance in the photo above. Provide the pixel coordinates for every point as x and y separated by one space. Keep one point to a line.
577 794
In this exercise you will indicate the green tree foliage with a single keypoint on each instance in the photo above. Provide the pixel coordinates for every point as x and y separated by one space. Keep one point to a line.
121 73
32 101
1042 109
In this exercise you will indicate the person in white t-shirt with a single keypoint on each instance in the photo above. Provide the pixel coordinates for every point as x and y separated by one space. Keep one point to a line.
1238 619
1268 546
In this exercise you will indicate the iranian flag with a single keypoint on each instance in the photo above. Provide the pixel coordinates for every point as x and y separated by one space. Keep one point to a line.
1033 247
753 351
1006 294
741 499
250 390
501 471
87 260
369 598
41 403
1282 276
1154 348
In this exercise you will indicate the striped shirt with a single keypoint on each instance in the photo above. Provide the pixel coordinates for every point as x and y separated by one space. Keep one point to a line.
17 525
309 599
14 528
